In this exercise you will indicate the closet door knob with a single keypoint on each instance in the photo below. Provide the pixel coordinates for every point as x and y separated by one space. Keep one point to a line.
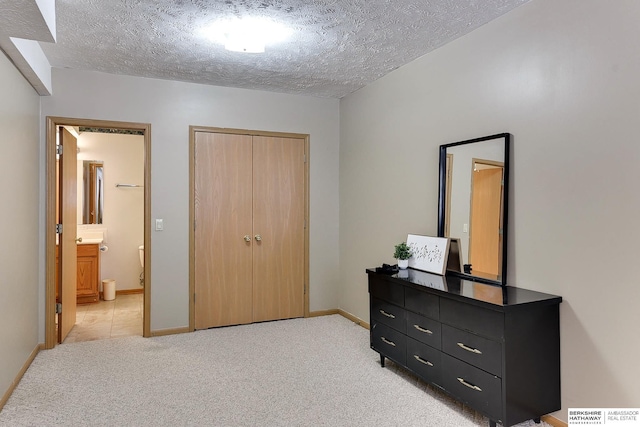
258 237
247 238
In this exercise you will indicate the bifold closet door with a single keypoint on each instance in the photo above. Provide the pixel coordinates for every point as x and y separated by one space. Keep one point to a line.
223 214
249 238
278 223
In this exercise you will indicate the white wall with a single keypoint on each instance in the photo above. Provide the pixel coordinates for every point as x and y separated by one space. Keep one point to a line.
123 222
171 107
19 174
562 77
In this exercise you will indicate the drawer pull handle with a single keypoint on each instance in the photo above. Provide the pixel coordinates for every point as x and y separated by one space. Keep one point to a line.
471 386
421 360
472 350
421 329
389 315
391 343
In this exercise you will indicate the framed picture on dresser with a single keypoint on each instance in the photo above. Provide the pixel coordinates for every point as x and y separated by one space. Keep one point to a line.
428 253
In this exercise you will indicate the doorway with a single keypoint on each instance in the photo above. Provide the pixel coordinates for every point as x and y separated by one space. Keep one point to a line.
53 124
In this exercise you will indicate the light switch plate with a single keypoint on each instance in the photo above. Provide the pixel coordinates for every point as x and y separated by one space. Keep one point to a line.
159 225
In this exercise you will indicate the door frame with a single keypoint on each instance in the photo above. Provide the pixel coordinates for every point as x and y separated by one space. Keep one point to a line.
192 139
52 123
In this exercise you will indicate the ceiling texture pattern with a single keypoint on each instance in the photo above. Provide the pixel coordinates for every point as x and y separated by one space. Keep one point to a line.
337 46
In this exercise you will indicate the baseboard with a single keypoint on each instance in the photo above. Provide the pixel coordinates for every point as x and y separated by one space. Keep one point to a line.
354 319
342 313
16 381
124 292
172 331
130 291
551 420
323 312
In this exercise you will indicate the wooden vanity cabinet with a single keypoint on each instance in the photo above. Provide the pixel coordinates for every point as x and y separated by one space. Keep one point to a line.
88 289
88 274
495 349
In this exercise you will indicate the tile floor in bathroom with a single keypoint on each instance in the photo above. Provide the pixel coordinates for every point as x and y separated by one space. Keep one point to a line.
121 317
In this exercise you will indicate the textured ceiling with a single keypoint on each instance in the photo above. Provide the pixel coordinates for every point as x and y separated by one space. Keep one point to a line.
337 47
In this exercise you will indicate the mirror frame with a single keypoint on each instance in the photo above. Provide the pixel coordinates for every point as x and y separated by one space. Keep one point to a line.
501 280
92 192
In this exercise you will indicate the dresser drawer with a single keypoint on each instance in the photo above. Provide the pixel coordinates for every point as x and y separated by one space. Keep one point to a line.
476 350
388 342
388 291
472 318
478 389
422 302
424 361
424 329
389 314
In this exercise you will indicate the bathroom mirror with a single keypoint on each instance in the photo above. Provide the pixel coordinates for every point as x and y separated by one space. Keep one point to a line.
92 192
472 204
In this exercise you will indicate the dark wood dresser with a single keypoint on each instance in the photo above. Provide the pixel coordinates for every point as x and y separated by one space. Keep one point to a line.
496 349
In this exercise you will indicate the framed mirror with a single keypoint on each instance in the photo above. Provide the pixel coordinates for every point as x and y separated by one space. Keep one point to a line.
93 191
473 202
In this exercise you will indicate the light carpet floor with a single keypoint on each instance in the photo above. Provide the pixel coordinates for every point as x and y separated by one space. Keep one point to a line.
301 372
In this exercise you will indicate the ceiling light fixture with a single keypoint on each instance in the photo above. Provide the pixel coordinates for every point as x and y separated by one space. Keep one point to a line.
247 35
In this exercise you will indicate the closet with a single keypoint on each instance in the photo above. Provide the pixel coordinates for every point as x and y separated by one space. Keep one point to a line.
249 212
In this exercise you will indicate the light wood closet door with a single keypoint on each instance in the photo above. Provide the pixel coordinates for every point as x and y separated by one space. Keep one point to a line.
278 220
249 238
223 215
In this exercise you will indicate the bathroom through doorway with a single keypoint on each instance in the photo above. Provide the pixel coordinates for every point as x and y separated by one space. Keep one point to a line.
112 206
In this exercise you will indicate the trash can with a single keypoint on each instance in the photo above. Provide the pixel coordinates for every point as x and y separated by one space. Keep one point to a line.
109 289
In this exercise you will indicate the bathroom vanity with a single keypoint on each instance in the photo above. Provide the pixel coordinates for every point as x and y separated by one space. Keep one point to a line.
88 289
88 276
495 349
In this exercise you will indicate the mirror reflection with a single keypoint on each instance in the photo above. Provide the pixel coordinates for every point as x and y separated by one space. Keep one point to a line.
93 191
473 206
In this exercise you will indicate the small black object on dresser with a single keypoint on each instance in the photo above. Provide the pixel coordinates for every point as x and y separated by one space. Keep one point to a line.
496 349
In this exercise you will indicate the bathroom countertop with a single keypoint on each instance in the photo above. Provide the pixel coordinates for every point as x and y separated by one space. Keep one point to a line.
90 241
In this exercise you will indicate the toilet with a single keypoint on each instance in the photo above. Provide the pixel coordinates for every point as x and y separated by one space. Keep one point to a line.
141 253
